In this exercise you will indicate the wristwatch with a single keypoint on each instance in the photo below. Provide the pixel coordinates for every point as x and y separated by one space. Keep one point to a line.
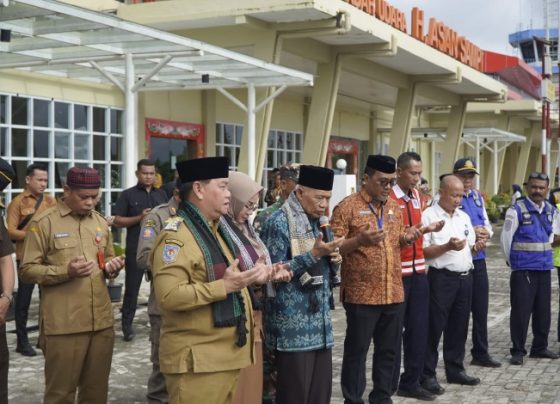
9 297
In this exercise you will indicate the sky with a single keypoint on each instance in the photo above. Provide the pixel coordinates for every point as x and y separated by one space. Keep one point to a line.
486 23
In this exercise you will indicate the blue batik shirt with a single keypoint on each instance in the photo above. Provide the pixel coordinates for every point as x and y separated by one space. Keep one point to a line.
290 324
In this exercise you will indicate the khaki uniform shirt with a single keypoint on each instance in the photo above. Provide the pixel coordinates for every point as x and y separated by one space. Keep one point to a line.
68 305
152 224
189 341
21 206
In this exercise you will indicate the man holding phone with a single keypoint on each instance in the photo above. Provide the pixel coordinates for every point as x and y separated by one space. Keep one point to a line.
449 254
68 251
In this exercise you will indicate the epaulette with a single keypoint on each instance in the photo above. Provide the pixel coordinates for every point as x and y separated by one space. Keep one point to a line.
173 224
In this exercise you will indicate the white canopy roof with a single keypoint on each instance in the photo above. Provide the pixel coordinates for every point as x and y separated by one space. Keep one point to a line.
63 40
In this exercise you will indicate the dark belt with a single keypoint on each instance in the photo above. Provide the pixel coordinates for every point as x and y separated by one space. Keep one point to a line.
453 273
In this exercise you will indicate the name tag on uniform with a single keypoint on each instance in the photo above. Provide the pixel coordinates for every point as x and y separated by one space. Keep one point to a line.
61 235
364 212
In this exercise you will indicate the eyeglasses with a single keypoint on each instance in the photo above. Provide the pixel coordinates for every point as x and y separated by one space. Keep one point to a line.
251 206
538 176
387 183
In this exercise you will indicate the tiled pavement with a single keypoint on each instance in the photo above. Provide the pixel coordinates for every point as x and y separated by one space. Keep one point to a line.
537 381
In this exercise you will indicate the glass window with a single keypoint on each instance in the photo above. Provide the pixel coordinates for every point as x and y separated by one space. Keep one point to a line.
116 121
20 167
3 141
116 176
19 142
229 134
101 170
80 117
60 170
41 143
99 119
116 148
99 147
61 115
238 134
62 145
228 142
81 146
19 110
3 107
41 113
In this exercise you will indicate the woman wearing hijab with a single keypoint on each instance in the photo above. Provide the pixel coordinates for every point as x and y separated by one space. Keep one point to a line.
245 195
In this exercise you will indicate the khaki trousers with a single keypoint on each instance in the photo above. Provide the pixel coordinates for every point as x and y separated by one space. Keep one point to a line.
213 387
78 361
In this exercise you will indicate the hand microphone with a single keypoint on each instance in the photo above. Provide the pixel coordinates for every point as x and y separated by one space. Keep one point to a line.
326 230
328 236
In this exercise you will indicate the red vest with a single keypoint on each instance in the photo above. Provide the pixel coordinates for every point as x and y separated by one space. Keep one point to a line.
412 257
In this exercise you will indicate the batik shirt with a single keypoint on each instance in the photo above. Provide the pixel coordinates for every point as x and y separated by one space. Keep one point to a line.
291 326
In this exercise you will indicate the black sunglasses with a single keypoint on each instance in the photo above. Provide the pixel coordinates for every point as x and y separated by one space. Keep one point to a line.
538 176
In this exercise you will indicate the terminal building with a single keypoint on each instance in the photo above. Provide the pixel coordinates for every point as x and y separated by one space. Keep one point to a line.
263 83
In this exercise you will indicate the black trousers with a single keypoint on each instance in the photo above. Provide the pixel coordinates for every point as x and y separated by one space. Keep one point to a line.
21 310
530 296
450 306
383 324
132 282
558 331
479 310
4 365
415 334
304 377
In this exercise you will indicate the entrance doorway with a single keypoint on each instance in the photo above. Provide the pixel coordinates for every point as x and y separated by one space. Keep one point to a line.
168 142
343 149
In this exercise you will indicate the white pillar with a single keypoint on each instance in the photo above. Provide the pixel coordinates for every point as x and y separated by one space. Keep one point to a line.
477 158
131 133
252 156
495 168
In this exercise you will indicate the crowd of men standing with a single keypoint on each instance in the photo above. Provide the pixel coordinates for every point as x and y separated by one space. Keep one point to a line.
243 315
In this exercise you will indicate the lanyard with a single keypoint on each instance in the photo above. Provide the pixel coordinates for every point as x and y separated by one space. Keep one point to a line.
379 218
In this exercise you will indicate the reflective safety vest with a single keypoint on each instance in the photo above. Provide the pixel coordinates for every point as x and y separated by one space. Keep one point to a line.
556 250
412 257
530 246
473 205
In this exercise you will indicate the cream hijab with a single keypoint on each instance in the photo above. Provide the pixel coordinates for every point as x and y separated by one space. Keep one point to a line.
242 188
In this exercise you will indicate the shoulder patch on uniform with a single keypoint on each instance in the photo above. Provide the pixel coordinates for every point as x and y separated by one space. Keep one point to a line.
174 241
507 225
170 252
148 233
150 223
173 223
34 228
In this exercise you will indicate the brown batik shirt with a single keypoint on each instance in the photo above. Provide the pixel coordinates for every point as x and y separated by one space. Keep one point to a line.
370 274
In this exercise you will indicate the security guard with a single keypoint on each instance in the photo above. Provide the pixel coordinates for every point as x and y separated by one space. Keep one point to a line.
68 251
554 199
531 225
205 307
472 204
157 219
7 175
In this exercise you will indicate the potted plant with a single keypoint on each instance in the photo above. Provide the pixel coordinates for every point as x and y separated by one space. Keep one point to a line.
115 288
492 210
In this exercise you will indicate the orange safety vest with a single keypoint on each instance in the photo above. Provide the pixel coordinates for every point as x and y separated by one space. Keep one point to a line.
412 257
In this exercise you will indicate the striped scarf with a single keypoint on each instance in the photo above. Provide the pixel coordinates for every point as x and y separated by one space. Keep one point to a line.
231 311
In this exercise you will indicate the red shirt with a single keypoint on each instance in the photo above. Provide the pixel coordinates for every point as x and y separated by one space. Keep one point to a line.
412 257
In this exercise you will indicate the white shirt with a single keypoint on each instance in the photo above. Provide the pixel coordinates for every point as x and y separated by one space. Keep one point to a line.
487 224
511 225
456 225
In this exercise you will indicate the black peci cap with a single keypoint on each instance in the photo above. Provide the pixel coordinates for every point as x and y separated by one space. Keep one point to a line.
316 177
201 169
379 162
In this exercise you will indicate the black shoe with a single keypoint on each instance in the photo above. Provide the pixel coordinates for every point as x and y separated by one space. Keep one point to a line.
486 362
544 354
463 378
418 393
128 334
516 360
432 386
26 350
